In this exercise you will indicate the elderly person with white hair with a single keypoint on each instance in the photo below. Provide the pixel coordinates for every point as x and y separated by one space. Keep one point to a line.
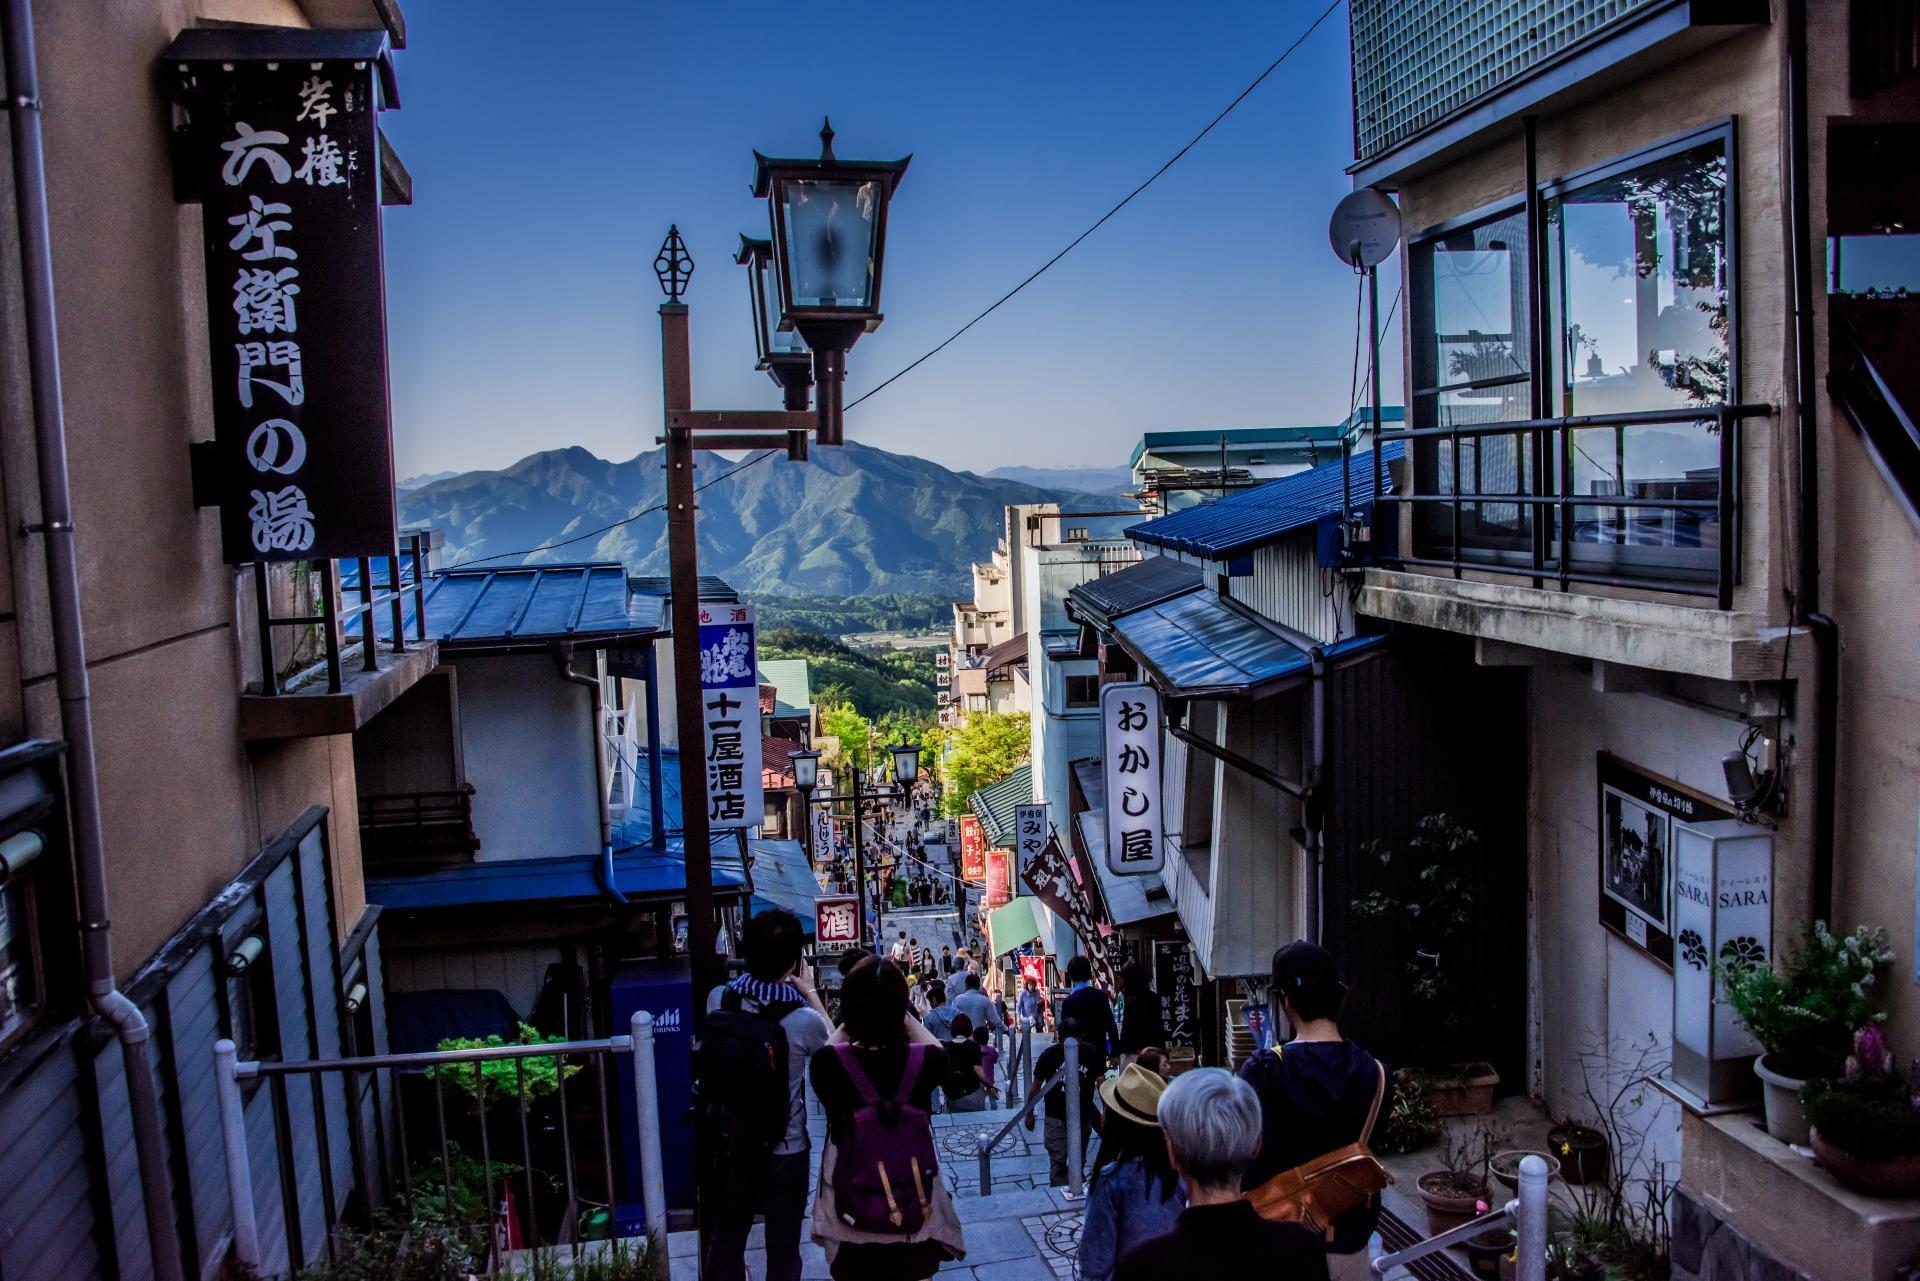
1212 1123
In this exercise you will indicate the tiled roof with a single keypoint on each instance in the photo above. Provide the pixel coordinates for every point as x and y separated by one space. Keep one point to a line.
521 605
994 806
1157 578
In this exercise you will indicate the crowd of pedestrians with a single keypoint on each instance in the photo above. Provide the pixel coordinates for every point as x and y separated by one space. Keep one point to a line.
1178 1154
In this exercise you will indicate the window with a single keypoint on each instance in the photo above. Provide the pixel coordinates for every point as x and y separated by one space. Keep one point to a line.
21 985
1083 691
1639 276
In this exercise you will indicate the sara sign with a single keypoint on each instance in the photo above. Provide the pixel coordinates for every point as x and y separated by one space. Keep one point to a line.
286 162
1029 836
973 850
730 716
999 879
836 923
1130 751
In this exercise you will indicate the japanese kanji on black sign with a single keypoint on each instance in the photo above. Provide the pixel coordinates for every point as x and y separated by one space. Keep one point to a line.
288 172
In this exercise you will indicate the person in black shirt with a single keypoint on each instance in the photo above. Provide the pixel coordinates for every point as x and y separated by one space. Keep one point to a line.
1052 1060
1212 1124
1316 1091
967 1085
1087 1008
1140 1021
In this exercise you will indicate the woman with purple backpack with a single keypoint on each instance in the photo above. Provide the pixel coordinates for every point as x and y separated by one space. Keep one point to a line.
881 1211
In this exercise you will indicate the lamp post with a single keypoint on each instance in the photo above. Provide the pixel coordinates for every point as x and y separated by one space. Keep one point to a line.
828 219
906 770
806 777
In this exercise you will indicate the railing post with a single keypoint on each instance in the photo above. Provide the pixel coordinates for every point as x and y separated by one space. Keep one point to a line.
1533 1219
1070 1082
419 589
986 1163
233 1138
263 606
646 1100
396 604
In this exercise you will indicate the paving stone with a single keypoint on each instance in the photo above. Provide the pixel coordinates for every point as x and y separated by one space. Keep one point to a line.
1004 1204
992 1240
1031 1269
683 1245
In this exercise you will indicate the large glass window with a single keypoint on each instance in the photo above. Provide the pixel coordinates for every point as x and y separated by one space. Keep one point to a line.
1639 282
1471 367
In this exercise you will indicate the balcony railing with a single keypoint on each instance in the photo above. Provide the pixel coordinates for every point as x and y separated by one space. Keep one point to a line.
1547 485
406 576
424 829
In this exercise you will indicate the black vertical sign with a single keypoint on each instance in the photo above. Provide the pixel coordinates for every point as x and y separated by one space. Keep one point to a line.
287 166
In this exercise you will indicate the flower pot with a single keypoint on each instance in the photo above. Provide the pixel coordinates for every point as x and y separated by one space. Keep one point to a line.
1582 1151
1463 1089
1506 1166
1881 1176
1451 1199
1786 1119
1486 1251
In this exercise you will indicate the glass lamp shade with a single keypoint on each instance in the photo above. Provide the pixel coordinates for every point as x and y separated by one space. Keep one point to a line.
906 763
753 255
831 245
806 770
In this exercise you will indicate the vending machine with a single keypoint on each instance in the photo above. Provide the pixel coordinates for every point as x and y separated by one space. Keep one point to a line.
663 989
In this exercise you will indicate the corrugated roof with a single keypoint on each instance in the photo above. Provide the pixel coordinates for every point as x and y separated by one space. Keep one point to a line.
776 761
639 873
1203 646
1008 652
994 805
792 682
521 605
782 877
1243 521
712 588
1154 579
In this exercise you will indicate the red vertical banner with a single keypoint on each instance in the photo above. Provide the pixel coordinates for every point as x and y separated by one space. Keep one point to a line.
999 878
973 849
1035 968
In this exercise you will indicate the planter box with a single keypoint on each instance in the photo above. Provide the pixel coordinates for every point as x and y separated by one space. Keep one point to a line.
1463 1089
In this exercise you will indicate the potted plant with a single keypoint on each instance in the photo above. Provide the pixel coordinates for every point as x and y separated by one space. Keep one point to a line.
1486 1252
1432 920
1582 1151
1505 1166
1459 1190
1411 1123
1865 1125
1804 1015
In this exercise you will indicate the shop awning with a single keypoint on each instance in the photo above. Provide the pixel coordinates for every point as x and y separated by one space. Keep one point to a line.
1202 645
1011 925
994 806
782 878
1129 899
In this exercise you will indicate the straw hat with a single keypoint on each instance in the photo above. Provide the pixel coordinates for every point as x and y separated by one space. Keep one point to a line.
1135 1095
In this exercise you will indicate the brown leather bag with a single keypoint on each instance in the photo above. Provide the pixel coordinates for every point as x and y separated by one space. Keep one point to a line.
1315 1193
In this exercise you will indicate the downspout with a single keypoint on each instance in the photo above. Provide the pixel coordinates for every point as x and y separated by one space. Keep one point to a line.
656 764
597 729
1824 630
69 641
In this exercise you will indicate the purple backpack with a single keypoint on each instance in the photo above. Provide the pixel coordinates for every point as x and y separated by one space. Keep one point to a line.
885 1166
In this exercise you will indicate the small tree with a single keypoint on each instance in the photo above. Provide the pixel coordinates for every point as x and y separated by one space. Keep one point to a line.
982 752
844 722
1430 919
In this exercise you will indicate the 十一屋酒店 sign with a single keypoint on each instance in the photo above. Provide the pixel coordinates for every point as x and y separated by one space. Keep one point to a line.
284 156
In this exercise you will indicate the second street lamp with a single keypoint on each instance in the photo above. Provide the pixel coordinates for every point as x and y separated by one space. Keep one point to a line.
781 352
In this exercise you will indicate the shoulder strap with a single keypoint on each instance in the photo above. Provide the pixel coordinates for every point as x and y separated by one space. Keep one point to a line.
910 1074
1379 1094
730 999
856 1075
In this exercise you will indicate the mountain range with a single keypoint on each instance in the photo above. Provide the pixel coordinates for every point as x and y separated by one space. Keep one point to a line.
852 520
1105 481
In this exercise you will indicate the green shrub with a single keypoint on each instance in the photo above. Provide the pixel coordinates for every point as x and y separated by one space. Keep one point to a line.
1805 1014
501 1079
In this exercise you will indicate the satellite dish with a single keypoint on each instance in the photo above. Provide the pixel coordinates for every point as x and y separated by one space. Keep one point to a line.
1365 228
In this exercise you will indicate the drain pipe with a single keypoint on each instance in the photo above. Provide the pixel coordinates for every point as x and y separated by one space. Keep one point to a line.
597 727
69 642
1824 630
1313 809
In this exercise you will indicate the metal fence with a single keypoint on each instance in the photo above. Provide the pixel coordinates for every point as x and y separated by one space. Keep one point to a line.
1069 1071
398 1164
1526 1214
406 576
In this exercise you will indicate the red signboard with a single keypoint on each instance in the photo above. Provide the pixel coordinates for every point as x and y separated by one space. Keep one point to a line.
1035 968
999 878
973 849
836 923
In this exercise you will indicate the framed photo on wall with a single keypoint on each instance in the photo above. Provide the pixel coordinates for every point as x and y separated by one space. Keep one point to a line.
1636 817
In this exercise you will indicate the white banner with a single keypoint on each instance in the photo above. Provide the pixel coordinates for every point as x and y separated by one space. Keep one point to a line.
1130 763
1029 837
730 716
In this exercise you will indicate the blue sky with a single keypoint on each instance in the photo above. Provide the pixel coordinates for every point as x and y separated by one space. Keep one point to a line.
552 145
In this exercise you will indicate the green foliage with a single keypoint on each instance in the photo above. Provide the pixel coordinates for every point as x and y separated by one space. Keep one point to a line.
1870 1117
1806 1014
850 615
1411 1124
425 1247
503 1079
464 1199
981 752
874 681
855 732
597 1261
1428 919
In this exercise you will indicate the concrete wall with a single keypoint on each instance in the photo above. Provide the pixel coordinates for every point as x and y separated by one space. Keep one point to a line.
530 759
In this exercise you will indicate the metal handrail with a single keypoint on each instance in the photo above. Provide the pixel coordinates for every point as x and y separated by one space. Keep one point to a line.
333 615
229 1072
1527 1212
1069 1071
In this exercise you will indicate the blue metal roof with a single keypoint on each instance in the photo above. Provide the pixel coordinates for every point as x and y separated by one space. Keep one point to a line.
1203 646
519 605
1253 517
1148 582
637 827
639 873
782 877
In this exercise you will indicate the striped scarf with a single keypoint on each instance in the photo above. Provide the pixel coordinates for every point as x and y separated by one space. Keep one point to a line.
765 993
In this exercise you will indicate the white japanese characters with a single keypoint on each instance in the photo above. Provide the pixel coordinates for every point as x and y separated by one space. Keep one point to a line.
730 716
1130 762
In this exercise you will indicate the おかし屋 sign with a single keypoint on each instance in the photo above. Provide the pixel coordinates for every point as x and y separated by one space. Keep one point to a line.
286 161
1130 743
730 716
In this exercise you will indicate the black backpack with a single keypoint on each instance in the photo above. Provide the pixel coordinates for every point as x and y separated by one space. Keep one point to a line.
742 1097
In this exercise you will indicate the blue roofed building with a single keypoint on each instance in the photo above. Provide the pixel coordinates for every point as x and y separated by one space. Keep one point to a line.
1174 470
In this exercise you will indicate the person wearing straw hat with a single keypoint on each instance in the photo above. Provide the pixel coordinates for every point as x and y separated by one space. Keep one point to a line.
1135 1195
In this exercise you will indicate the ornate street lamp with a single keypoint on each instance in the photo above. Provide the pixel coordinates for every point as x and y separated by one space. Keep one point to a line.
806 771
906 763
829 222
780 351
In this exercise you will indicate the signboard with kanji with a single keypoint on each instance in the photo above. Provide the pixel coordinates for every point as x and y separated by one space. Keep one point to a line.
836 924
730 716
1178 989
1029 836
287 166
973 849
999 879
1033 967
1130 760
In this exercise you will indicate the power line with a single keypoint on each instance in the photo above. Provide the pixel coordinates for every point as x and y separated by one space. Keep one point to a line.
625 520
1127 200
